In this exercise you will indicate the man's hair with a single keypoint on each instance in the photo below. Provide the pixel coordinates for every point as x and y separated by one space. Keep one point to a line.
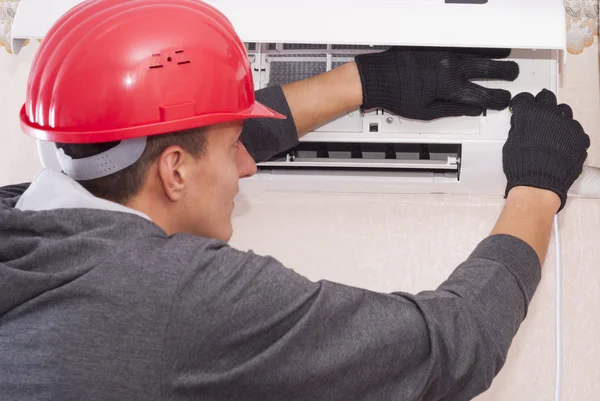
123 185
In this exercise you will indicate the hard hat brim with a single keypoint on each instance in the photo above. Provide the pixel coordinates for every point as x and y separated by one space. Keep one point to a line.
257 110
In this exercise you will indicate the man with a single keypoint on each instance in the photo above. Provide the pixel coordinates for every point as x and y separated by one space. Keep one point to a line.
116 282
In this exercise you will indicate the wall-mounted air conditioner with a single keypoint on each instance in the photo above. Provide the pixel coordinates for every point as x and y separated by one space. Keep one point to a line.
378 152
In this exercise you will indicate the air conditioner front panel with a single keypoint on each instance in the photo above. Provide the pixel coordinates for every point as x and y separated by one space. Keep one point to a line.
522 24
474 168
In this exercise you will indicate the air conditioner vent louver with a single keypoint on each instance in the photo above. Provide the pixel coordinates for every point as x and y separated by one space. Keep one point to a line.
368 156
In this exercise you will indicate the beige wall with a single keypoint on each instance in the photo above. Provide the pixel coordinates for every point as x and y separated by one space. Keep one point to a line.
409 243
18 157
580 79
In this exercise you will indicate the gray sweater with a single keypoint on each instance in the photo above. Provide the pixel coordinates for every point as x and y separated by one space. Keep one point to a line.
103 305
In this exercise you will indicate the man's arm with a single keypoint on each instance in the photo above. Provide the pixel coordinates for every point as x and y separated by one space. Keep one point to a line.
408 82
528 214
267 332
248 328
321 99
307 104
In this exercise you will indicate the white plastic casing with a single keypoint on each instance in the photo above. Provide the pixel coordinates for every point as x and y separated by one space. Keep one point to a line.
481 138
517 24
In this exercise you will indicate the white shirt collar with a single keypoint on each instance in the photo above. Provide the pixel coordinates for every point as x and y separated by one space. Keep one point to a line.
53 190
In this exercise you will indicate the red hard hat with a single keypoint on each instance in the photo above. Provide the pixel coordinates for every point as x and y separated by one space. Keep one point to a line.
110 70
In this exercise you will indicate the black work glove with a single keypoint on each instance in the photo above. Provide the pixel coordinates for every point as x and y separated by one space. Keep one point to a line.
545 148
430 83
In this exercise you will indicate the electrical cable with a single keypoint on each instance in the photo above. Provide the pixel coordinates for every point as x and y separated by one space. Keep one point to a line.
559 350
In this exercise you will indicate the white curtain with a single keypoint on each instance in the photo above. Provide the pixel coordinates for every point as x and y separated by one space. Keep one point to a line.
582 24
8 9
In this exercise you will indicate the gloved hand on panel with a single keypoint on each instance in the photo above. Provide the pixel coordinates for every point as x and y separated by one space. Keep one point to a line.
430 83
546 147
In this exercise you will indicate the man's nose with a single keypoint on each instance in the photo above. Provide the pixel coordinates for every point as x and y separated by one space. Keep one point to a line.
245 162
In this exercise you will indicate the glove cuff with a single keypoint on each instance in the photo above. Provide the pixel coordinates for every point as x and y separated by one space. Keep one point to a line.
562 195
537 168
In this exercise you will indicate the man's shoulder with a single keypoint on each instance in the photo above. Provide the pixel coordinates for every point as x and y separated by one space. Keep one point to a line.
9 192
185 249
195 252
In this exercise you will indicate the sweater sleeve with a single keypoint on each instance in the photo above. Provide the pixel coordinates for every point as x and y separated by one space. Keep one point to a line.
245 327
266 137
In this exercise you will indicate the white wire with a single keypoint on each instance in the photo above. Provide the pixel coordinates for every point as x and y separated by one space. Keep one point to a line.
559 350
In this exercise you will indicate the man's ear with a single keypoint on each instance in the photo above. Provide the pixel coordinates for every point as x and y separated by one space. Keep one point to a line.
173 171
